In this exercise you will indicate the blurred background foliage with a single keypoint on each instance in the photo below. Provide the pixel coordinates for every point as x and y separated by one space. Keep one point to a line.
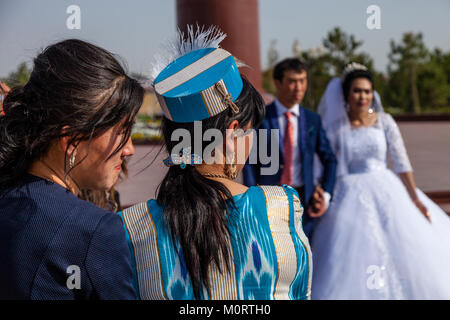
417 80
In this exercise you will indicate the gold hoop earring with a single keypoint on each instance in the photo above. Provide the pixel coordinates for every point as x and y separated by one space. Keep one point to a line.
71 161
230 169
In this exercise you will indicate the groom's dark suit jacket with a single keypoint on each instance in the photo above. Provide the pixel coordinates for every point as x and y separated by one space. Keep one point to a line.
312 139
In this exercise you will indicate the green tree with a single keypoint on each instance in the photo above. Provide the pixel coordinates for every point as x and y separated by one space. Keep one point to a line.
338 49
267 75
433 83
267 81
19 77
405 61
318 76
272 56
341 49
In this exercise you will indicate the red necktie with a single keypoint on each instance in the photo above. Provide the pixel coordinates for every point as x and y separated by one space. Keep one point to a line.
288 142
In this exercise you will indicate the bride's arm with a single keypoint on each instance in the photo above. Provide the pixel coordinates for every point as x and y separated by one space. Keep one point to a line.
408 180
402 165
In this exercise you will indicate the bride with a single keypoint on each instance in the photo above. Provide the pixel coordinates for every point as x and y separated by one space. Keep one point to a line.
381 238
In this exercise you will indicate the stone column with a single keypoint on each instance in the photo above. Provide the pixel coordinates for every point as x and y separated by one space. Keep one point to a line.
238 19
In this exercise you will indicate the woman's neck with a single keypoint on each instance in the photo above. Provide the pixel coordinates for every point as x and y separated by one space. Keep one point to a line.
361 118
47 170
216 172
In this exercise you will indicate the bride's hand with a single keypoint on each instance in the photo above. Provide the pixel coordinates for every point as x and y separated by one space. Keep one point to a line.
422 209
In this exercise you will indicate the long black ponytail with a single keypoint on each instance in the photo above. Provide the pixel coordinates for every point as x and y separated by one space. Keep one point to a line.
195 207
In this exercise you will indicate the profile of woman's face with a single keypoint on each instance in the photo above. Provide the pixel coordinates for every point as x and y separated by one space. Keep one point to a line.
96 171
360 95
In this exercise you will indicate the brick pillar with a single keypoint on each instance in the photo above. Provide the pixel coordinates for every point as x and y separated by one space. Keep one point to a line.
238 19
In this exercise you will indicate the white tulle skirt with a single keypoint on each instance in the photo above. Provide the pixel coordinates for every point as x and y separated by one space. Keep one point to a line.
373 243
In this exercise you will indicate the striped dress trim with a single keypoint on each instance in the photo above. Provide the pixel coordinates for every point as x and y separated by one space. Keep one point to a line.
278 213
143 235
133 258
304 239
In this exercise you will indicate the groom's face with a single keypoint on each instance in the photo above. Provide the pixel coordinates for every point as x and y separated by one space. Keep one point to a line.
291 89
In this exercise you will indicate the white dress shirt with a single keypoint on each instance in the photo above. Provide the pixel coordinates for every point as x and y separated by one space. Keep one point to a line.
297 179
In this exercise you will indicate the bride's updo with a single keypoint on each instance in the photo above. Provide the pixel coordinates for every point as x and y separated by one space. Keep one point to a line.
351 72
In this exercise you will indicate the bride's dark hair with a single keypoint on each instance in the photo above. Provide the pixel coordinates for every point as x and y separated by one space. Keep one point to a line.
347 83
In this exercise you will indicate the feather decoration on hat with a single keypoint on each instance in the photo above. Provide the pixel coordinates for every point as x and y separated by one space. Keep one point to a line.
180 45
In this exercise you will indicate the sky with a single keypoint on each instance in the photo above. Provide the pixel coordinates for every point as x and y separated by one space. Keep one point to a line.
134 29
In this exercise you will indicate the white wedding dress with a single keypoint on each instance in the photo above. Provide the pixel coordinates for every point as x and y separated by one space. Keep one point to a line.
373 243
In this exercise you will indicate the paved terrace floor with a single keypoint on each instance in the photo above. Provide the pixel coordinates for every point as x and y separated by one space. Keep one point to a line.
428 145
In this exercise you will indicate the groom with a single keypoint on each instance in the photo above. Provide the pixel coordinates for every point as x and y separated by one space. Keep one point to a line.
301 136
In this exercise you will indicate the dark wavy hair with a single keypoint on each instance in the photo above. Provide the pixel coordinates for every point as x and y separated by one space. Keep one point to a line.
347 83
195 207
76 89
294 64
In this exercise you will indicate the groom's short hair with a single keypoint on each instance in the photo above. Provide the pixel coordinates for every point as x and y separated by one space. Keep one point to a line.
288 64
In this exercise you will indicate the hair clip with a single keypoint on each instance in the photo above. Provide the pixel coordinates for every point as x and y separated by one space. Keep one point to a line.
182 160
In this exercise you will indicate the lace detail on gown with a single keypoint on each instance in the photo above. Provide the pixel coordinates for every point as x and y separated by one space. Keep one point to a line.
367 149
396 147
373 224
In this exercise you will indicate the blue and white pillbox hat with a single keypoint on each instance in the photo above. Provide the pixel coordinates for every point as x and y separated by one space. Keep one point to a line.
198 84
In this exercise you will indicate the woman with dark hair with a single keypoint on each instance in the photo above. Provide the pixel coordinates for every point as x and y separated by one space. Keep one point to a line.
207 236
66 130
382 238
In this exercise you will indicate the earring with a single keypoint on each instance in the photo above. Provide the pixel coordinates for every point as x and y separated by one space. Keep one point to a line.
230 169
71 161
370 110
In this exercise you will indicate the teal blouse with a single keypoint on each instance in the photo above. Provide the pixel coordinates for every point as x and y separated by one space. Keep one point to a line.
270 253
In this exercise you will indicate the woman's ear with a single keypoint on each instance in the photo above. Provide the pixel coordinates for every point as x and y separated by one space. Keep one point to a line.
233 125
230 135
64 143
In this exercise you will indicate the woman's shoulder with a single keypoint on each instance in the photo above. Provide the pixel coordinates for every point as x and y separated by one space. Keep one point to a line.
387 122
150 206
272 191
90 219
44 204
270 196
145 228
54 200
147 213
261 198
385 117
